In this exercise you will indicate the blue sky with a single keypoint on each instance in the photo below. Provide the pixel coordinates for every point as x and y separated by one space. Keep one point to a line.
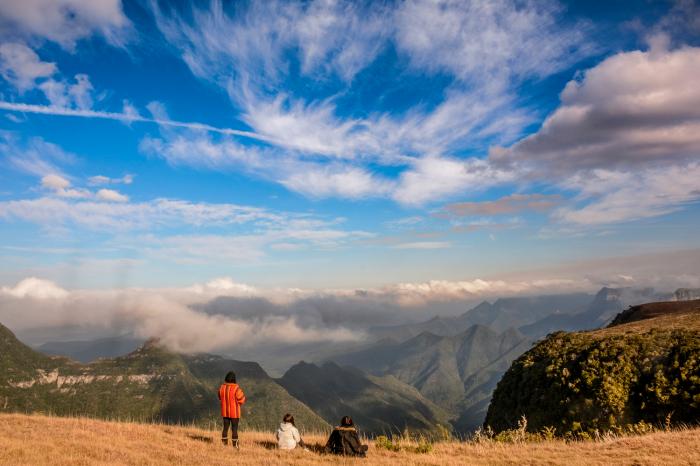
340 145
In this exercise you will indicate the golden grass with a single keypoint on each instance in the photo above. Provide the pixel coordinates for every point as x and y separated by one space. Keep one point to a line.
678 321
38 440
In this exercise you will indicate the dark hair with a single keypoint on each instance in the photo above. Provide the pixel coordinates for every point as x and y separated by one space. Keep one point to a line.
346 421
230 377
289 418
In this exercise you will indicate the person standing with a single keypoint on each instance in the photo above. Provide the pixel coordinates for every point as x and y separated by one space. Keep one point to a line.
232 398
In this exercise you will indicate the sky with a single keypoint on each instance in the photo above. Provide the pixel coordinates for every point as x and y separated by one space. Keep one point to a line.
418 150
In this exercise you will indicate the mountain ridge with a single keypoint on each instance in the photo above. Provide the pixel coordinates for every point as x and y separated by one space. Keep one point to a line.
150 383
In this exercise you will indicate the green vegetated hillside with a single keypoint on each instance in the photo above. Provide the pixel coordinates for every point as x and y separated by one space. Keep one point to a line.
644 367
379 405
457 372
149 384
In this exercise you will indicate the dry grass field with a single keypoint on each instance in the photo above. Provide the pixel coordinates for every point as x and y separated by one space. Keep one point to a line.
39 440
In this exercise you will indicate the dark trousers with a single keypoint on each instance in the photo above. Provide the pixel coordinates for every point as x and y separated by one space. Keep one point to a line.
233 422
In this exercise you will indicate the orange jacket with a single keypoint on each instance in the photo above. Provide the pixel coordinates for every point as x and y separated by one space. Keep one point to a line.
232 398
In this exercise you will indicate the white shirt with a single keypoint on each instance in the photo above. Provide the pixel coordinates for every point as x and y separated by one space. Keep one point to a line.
287 436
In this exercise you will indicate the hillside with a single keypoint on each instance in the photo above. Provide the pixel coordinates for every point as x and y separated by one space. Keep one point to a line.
645 367
149 384
458 372
32 440
379 405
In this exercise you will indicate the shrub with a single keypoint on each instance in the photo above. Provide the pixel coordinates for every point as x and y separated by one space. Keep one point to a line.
423 447
383 442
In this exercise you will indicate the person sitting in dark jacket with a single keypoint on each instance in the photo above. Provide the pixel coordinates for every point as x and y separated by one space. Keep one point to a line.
344 440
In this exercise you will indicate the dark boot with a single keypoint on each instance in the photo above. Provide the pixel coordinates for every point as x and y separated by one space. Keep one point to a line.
224 440
234 442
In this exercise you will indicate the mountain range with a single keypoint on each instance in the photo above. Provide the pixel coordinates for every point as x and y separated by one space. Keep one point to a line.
149 384
155 384
421 375
378 404
456 372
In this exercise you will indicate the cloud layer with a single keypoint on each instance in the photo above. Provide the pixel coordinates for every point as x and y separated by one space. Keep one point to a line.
224 314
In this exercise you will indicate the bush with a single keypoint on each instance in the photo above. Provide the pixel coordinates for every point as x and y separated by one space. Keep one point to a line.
383 442
423 447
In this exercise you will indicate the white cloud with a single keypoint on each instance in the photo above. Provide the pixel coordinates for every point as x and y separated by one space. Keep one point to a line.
286 168
66 21
165 314
62 187
206 231
55 182
34 156
62 94
144 215
620 196
254 316
247 54
226 286
633 108
308 128
35 288
199 149
330 36
98 180
332 181
389 140
434 178
111 195
486 43
21 66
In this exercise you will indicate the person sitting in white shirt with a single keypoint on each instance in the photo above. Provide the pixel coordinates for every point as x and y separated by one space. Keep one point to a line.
287 434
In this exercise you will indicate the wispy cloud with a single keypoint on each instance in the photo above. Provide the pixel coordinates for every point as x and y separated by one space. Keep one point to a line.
610 196
105 180
248 54
489 43
424 245
34 156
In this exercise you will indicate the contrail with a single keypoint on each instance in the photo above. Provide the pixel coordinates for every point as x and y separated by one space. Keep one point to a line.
125 117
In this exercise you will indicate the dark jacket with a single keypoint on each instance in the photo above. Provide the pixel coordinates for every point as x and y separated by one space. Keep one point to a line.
345 441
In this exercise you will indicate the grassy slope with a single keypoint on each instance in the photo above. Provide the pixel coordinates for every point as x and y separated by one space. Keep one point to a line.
31 440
